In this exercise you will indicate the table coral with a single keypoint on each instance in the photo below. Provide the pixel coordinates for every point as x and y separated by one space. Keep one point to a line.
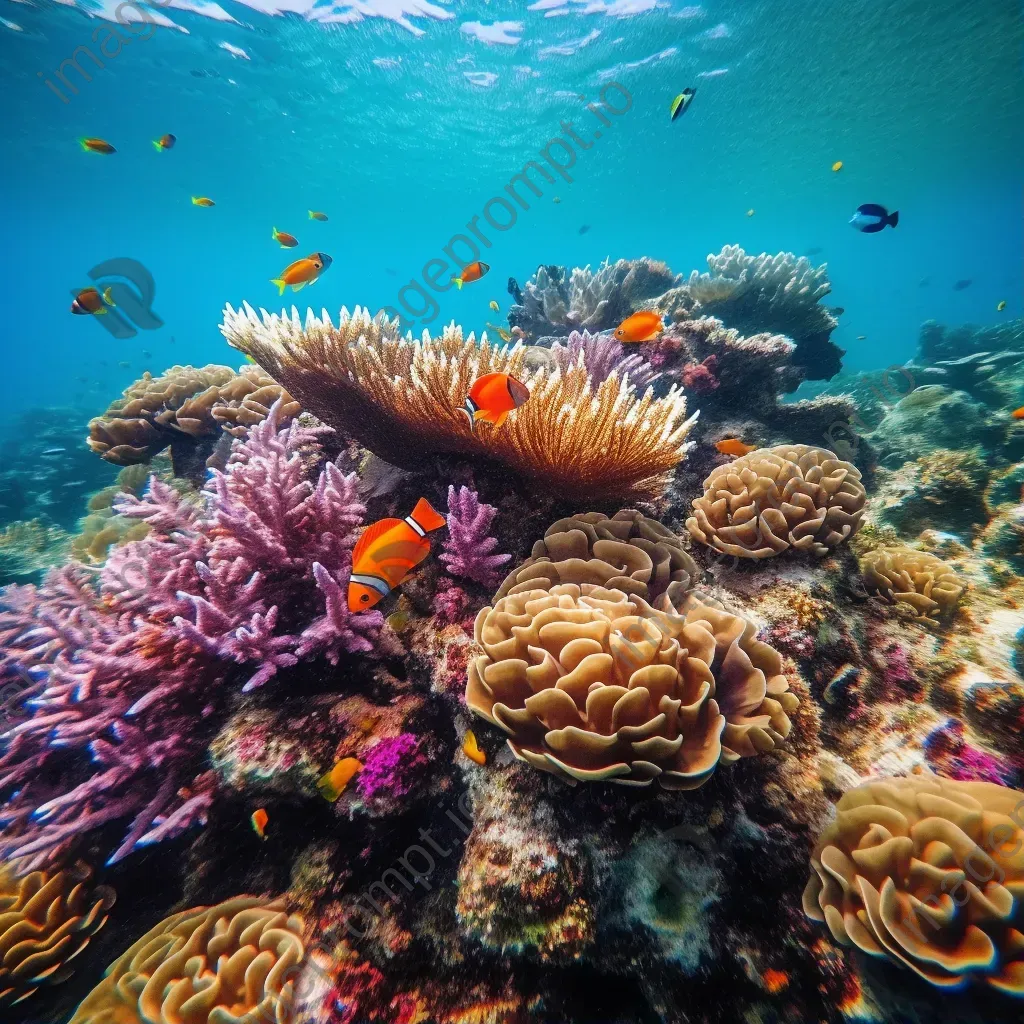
914 577
592 684
791 497
929 873
227 964
401 398
46 920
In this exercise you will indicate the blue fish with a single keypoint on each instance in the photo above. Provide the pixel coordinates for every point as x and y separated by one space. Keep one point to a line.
871 217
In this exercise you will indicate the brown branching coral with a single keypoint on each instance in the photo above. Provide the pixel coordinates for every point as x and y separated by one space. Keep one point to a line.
914 577
182 406
232 963
45 921
401 399
929 873
790 496
628 552
596 685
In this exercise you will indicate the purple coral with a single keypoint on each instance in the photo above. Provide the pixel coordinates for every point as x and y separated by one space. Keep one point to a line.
467 551
602 356
391 767
123 673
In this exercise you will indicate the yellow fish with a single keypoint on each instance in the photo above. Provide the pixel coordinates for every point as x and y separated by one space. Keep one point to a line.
556 200
838 165
472 750
494 305
332 784
1001 305
202 201
750 212
500 331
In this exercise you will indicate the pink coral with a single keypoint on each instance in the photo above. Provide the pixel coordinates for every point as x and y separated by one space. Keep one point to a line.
949 754
391 767
467 551
701 378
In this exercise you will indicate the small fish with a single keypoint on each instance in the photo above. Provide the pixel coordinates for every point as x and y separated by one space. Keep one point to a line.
74 483
96 146
814 250
961 285
125 365
838 165
471 272
584 228
391 272
836 310
642 326
871 217
493 304
89 300
472 750
861 337
1018 414
1000 305
146 354
53 451
302 272
332 784
924 282
164 143
202 201
515 291
500 331
734 446
557 199
259 821
317 215
751 212
492 397
387 552
681 103
287 241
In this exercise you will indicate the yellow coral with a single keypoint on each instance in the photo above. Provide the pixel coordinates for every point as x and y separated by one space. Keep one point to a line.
401 398
914 577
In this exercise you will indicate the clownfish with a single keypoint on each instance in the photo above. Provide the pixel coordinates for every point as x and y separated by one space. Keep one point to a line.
259 821
642 326
386 554
89 300
471 272
332 784
492 397
733 446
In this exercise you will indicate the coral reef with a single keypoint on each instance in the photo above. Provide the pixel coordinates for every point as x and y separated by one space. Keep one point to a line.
468 550
401 399
937 343
916 578
776 499
592 684
46 920
929 873
602 355
210 965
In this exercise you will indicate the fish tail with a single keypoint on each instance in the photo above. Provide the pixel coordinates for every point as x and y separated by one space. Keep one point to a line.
195 200
458 282
893 219
281 285
157 146
106 297
84 145
274 235
425 515
311 217
328 789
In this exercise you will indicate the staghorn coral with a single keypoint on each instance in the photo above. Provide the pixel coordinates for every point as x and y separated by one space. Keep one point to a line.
46 920
628 552
400 398
914 577
558 302
180 408
602 355
232 963
929 873
775 499
468 549
592 684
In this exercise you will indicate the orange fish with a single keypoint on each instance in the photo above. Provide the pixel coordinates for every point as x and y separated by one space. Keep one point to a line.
472 750
96 146
287 241
332 784
317 215
302 272
202 201
492 397
259 821
1018 414
387 552
733 446
471 272
164 143
89 300
642 326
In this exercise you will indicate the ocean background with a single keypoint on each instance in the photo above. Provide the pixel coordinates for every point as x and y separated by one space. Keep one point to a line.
401 118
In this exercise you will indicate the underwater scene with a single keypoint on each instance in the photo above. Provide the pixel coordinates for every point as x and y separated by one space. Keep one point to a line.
512 513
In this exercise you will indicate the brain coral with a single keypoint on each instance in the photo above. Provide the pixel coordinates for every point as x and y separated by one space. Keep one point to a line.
914 577
595 684
184 403
628 552
790 496
233 963
45 921
929 873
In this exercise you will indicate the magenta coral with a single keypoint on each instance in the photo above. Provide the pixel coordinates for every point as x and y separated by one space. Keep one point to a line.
603 355
125 673
949 754
467 551
391 767
701 378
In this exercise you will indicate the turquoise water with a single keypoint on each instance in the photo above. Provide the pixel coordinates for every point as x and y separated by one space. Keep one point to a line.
401 127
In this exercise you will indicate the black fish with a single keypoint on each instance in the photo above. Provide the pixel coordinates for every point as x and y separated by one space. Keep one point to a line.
681 103
391 271
515 291
814 250
584 229
961 285
836 310
871 217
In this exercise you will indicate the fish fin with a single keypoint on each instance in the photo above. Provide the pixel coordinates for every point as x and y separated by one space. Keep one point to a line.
328 789
458 282
273 235
426 516
370 534
298 287
313 282
107 299
82 143
100 311
893 218
281 285
502 416
157 146
311 217
481 414
469 416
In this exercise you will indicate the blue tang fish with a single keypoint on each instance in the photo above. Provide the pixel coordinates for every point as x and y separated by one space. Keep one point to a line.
871 217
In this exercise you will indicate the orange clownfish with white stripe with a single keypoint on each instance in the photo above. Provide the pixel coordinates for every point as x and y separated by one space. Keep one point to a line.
492 397
386 554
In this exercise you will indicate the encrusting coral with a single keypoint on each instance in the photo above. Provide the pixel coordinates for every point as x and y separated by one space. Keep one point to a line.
232 963
917 578
401 399
46 920
628 552
929 873
468 551
593 684
775 499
